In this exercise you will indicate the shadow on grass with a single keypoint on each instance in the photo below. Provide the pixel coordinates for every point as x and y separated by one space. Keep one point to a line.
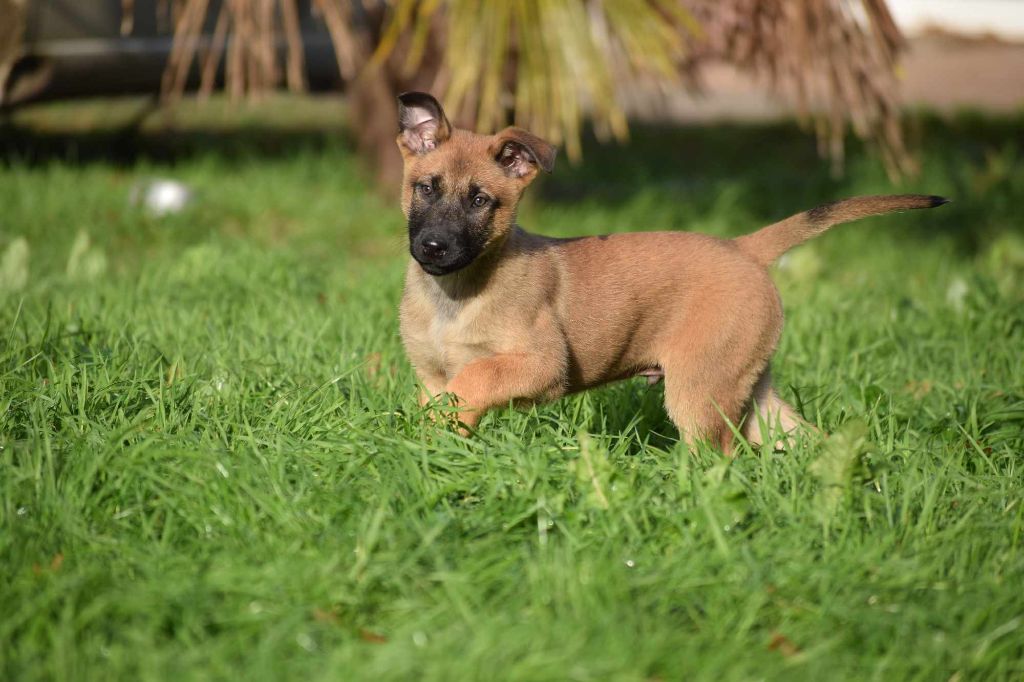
137 132
772 170
129 146
766 170
776 157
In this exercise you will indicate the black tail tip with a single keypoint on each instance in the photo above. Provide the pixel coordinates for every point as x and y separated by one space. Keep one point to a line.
937 201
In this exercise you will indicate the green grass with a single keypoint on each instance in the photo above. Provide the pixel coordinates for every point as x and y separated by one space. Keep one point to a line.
212 464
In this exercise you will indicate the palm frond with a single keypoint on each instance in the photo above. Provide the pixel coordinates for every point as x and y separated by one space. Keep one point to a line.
549 64
12 28
251 64
834 59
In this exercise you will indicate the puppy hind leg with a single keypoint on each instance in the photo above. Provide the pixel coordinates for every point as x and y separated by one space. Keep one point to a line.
769 414
711 368
697 404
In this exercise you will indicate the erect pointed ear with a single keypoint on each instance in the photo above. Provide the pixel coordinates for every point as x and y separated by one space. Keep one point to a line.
422 122
521 153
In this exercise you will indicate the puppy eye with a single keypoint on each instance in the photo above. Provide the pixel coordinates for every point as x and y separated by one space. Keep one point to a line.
425 189
480 200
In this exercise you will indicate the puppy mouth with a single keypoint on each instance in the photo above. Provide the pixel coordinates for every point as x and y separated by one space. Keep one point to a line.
439 269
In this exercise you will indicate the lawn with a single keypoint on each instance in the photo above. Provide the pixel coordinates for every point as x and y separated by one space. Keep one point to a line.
213 465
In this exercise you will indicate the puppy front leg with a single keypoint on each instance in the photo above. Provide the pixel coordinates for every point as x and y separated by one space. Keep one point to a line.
432 385
499 379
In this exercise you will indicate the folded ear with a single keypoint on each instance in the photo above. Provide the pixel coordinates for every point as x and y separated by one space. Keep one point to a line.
521 153
422 122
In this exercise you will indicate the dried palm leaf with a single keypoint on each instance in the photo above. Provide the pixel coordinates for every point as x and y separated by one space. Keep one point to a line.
835 59
546 61
12 28
546 64
251 64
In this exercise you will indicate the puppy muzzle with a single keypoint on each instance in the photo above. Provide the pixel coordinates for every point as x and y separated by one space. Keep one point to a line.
439 254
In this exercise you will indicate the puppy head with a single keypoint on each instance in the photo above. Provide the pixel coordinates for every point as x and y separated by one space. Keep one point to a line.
460 189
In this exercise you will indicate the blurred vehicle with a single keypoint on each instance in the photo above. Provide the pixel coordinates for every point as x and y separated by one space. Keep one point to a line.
73 48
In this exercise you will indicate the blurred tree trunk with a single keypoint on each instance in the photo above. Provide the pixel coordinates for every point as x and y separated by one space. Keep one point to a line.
373 87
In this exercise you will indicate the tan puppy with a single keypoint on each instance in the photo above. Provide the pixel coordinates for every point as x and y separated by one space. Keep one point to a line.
494 314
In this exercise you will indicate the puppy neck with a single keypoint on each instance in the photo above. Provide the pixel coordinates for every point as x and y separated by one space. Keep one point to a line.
467 282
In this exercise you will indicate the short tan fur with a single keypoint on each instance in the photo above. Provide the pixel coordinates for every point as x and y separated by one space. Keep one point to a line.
495 315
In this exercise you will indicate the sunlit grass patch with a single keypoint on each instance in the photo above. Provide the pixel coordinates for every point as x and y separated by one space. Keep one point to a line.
213 463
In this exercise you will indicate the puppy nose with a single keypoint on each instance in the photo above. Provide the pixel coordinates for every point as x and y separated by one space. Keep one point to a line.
435 248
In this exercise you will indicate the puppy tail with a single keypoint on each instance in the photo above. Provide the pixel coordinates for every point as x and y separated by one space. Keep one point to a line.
769 243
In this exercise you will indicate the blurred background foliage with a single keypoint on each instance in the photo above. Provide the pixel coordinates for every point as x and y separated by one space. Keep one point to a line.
546 65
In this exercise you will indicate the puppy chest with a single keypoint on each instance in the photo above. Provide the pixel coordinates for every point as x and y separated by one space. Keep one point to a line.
456 342
442 335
